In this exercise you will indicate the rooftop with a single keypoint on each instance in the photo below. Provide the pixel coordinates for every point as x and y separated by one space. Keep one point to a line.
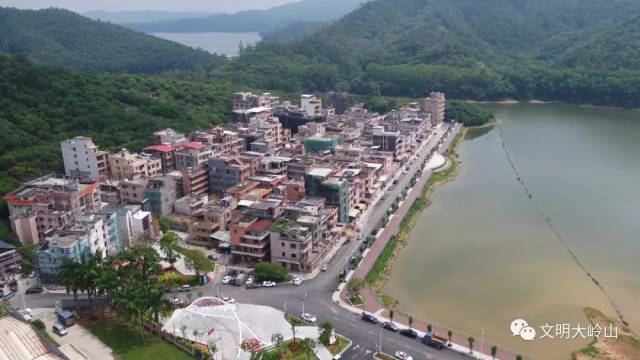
161 148
321 172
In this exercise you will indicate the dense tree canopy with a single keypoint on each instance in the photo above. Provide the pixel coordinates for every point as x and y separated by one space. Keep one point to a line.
63 38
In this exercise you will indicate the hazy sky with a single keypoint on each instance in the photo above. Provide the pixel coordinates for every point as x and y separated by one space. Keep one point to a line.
170 5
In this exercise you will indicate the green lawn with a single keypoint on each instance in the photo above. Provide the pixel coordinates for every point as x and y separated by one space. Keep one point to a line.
340 345
126 343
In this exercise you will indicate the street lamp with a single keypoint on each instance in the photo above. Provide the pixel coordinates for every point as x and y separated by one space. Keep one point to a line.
304 297
380 341
285 307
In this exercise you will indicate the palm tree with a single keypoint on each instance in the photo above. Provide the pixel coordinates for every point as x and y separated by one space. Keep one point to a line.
410 322
494 351
471 340
310 346
450 335
391 315
169 243
429 328
70 276
293 330
518 357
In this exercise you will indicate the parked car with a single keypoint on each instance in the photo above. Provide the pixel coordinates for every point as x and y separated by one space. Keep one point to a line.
227 279
176 301
252 285
59 329
212 257
240 279
67 318
324 267
249 281
185 288
26 314
229 300
309 318
410 333
296 281
401 355
390 326
34 290
435 342
268 283
370 318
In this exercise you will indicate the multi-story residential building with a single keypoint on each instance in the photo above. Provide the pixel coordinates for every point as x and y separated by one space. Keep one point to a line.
291 245
166 154
434 105
110 192
117 228
392 141
169 137
247 100
95 227
142 225
126 165
213 218
314 144
192 154
250 242
225 172
194 181
60 246
162 193
311 105
191 205
9 259
82 159
319 182
132 191
49 202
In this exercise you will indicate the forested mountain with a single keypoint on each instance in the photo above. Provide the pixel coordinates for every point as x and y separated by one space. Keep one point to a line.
263 21
293 31
41 105
567 50
61 37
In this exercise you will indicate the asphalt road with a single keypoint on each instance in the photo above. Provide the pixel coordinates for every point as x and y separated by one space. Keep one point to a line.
365 336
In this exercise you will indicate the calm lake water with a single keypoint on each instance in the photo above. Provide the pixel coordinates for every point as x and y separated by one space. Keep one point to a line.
214 42
482 256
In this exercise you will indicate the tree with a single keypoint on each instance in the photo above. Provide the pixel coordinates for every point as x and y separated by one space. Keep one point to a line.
391 313
293 330
471 340
410 321
518 357
327 328
311 345
266 271
277 339
449 335
165 223
169 243
494 351
71 277
354 285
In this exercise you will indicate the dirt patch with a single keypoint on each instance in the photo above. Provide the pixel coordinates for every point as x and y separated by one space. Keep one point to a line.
625 347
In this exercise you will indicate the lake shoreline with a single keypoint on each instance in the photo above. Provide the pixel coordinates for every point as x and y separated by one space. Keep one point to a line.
408 223
536 102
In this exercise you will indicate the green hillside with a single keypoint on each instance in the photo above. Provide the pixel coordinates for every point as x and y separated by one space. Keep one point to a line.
487 50
41 105
63 38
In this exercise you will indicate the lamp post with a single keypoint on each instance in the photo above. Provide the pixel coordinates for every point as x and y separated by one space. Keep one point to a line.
304 297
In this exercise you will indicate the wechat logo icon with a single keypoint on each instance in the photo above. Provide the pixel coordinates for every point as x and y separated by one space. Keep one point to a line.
521 328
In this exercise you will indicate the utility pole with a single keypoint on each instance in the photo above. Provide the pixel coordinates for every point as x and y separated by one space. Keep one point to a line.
304 297
482 342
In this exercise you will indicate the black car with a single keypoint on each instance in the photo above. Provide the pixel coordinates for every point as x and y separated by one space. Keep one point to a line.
212 258
370 318
390 326
410 333
34 290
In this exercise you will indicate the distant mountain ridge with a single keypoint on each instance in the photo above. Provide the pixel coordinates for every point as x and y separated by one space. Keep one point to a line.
145 16
263 21
63 38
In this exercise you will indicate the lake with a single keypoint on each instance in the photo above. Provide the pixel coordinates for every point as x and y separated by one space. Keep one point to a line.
482 255
221 43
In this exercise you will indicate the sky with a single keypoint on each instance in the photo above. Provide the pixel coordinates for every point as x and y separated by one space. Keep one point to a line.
164 5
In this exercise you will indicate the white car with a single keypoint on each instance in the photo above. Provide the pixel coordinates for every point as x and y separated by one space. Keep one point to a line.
309 318
268 284
227 279
401 355
296 281
176 301
26 314
229 300
324 267
249 281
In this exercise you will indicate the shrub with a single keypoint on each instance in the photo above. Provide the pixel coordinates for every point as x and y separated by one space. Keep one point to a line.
38 324
269 271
